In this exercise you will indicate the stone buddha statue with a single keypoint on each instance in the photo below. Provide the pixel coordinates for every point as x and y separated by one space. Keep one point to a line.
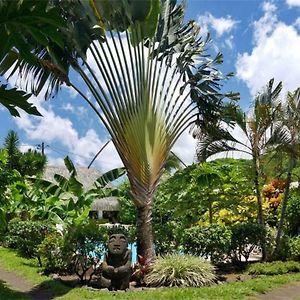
116 266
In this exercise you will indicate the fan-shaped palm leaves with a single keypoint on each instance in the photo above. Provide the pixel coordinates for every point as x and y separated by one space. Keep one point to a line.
142 64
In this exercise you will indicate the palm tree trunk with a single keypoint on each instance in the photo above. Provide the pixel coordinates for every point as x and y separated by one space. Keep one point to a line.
260 216
145 243
284 204
257 192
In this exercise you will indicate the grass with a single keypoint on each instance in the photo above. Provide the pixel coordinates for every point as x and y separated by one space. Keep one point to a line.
238 290
7 293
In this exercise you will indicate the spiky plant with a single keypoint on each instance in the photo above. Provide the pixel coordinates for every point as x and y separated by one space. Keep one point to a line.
181 271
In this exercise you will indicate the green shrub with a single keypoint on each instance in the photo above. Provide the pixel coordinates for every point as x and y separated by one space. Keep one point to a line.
274 268
181 271
167 236
86 243
245 237
283 252
293 213
26 236
54 256
213 240
294 247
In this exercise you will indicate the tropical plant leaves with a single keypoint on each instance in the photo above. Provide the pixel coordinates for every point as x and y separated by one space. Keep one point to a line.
109 176
13 99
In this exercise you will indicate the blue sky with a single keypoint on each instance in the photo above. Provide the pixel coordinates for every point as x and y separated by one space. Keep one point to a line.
259 39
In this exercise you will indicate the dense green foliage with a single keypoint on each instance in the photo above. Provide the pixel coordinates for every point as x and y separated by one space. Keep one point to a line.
246 237
29 163
180 271
53 258
293 213
274 268
294 245
85 245
212 241
26 236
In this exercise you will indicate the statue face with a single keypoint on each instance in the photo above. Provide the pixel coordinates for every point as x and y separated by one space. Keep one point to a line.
117 244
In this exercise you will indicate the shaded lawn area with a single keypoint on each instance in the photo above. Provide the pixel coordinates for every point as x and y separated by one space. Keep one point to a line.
9 294
237 290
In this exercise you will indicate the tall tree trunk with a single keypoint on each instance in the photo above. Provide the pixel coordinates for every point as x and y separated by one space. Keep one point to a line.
260 216
210 211
145 243
284 204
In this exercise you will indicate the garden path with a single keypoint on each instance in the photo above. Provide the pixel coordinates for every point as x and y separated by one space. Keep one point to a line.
18 283
289 291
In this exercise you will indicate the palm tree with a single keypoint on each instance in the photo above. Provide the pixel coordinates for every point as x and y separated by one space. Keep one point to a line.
147 64
214 138
286 139
11 144
32 163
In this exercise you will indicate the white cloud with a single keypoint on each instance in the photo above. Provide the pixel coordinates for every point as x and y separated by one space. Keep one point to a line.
297 23
53 129
265 25
229 42
55 161
293 2
25 147
219 25
78 110
185 147
68 107
275 54
268 7
71 92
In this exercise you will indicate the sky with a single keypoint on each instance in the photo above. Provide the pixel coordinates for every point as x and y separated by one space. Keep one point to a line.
260 40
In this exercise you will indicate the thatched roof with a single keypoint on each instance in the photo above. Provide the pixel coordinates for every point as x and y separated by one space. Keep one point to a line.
86 176
106 204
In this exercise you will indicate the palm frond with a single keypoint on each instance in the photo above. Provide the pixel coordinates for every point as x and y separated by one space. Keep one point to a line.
29 33
207 148
280 135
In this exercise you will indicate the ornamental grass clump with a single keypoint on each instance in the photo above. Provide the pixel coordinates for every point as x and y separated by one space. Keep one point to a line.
181 271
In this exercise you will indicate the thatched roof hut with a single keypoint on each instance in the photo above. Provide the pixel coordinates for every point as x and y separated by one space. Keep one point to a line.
87 177
106 204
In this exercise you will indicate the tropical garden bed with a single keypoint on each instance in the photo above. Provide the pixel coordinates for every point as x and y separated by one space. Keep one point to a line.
29 270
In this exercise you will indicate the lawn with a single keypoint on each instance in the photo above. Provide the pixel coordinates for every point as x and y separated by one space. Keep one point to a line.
238 290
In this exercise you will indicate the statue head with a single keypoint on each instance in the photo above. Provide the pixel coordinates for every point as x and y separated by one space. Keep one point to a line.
117 244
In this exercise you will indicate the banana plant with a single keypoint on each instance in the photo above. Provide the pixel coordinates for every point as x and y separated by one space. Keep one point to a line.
65 200
150 78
